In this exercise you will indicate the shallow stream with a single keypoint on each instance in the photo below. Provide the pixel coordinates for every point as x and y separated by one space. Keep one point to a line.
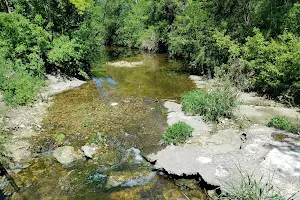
121 110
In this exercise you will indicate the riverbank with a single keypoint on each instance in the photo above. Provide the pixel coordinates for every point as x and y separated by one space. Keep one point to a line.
22 123
219 155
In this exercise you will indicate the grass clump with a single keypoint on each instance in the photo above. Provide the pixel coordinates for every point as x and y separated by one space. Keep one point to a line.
250 188
214 104
177 133
283 123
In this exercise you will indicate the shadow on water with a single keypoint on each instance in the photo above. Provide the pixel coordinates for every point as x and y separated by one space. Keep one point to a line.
2 196
122 111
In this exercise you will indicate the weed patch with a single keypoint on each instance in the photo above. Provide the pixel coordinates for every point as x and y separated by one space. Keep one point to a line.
283 123
177 133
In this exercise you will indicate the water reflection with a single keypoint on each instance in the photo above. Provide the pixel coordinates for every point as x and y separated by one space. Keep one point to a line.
99 82
105 85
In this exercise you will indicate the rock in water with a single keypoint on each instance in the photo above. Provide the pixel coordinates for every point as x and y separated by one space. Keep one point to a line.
66 155
89 150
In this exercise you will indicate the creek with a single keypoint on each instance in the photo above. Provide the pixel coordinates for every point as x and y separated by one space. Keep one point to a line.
121 110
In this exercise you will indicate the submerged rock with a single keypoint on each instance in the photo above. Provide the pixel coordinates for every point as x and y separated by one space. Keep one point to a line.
98 179
129 179
66 155
125 64
90 150
134 156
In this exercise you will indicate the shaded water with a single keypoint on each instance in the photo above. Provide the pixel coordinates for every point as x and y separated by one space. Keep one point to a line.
121 111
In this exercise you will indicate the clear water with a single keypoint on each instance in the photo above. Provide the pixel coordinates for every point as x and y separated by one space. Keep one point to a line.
129 129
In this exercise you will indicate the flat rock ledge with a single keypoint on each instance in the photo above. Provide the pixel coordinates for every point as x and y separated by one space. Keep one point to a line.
262 151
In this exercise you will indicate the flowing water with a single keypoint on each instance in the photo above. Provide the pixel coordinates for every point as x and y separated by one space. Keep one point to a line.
121 110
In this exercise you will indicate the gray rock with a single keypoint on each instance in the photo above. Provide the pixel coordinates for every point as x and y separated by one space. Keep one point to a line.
175 114
89 150
221 161
66 155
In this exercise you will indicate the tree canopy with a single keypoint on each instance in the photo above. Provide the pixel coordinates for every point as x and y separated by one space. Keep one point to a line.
260 38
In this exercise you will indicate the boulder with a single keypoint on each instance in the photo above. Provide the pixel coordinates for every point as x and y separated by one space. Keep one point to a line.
66 155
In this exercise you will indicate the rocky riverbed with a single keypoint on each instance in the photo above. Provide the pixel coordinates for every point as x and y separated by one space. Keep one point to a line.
221 158
88 141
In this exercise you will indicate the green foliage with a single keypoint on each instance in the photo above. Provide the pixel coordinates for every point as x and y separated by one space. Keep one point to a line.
283 123
60 17
20 89
82 5
90 35
292 19
60 137
149 40
177 133
67 55
250 188
26 51
24 43
140 24
274 64
261 37
98 139
214 104
22 47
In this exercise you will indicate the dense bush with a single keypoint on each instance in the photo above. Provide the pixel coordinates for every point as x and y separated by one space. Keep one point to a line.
261 37
31 46
177 133
212 105
274 64
283 123
22 47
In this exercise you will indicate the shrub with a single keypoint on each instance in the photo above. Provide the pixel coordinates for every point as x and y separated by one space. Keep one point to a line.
22 47
67 55
250 188
274 64
149 40
20 89
282 123
177 133
219 102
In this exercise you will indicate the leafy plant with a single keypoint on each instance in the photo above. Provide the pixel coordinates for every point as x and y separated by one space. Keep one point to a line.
214 104
283 123
99 139
177 133
60 137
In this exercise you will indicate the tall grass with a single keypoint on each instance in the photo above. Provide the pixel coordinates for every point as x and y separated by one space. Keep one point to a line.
214 104
251 189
